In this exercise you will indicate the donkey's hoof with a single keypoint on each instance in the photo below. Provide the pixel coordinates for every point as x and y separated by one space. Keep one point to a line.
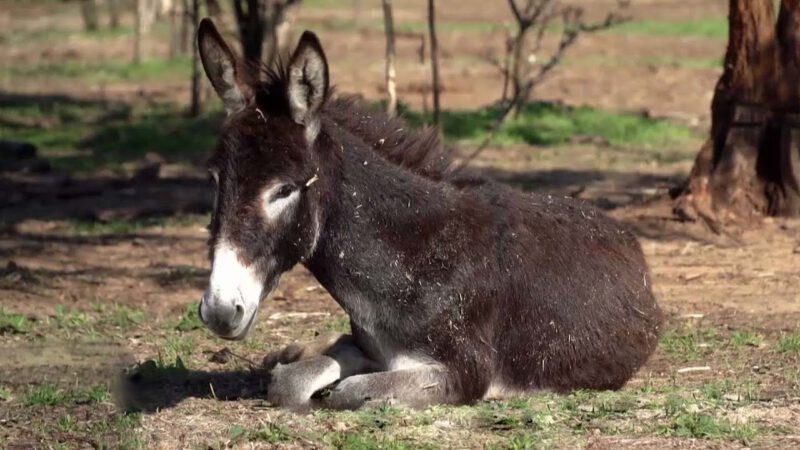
288 354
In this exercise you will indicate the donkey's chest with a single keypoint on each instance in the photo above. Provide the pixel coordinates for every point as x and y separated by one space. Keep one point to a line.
379 331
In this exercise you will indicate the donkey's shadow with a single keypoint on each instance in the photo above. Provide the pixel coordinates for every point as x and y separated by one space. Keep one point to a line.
152 388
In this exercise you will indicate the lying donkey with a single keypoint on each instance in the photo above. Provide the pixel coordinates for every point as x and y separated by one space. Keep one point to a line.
457 289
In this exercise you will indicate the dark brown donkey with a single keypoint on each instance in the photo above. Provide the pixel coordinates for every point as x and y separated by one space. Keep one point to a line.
457 290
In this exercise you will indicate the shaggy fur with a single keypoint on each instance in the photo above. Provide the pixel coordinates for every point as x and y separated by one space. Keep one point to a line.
457 289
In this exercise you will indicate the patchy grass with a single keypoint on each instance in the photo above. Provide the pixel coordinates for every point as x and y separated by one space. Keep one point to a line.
190 320
789 343
711 28
547 124
688 343
128 227
679 62
14 323
103 71
692 424
70 320
127 318
81 136
94 394
746 338
49 394
5 394
44 395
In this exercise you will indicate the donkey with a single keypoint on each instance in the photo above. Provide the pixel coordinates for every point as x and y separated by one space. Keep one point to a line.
457 289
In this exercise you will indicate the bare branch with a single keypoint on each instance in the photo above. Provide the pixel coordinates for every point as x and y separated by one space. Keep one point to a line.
515 10
539 14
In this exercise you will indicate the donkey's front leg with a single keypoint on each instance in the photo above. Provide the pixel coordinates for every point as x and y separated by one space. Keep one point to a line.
297 351
293 384
416 388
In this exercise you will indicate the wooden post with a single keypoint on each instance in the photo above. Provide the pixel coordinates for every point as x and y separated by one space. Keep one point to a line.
194 110
434 61
391 74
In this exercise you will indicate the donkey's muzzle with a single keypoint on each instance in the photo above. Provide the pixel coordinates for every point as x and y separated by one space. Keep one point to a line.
223 318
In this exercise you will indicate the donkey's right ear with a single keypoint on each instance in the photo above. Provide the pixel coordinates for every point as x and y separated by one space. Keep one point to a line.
222 67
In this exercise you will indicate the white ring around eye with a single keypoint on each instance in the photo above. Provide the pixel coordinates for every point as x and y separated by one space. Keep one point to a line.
275 207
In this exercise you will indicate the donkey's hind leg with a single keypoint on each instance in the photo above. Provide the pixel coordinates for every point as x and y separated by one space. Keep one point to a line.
416 388
293 384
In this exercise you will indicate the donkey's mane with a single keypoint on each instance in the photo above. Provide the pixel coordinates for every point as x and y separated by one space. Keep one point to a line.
420 151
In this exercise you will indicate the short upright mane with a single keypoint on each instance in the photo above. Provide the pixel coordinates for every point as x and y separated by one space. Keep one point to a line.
420 151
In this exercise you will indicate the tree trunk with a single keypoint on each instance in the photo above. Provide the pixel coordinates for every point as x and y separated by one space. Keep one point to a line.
748 167
146 11
391 74
194 109
434 62
89 14
113 13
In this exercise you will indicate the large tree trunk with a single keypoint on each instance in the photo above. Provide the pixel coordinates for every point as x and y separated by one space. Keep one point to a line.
748 167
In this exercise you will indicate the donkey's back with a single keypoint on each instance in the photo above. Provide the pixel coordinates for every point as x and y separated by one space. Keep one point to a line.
568 289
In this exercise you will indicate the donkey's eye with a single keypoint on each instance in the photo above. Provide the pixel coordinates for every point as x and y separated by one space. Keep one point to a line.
285 191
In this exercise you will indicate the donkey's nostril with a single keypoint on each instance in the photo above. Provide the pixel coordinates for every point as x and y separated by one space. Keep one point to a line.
237 318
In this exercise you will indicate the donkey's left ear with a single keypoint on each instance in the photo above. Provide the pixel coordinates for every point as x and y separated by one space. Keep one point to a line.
308 79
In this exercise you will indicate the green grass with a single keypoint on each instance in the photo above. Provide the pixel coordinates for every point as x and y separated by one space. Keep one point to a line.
16 37
746 338
5 394
190 320
104 71
14 323
711 28
176 351
65 423
681 62
790 343
77 136
127 318
44 395
698 425
94 394
50 395
548 124
71 320
688 343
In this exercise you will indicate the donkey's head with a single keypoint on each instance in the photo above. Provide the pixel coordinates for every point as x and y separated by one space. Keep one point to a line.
267 210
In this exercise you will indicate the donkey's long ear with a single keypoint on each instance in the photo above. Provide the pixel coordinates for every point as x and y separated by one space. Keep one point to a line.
222 67
308 79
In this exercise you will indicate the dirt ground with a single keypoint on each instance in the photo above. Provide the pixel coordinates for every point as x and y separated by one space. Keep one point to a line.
84 302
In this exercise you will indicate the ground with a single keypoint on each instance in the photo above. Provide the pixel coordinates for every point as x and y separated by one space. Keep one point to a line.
102 262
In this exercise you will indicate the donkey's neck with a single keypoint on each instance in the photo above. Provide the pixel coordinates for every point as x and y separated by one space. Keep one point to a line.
378 225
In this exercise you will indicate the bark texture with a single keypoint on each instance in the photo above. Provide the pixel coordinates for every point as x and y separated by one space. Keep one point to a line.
749 165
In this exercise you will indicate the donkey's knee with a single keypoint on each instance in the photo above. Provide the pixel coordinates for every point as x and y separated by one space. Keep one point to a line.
293 384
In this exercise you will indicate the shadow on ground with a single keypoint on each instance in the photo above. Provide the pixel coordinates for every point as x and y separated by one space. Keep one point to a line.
149 388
